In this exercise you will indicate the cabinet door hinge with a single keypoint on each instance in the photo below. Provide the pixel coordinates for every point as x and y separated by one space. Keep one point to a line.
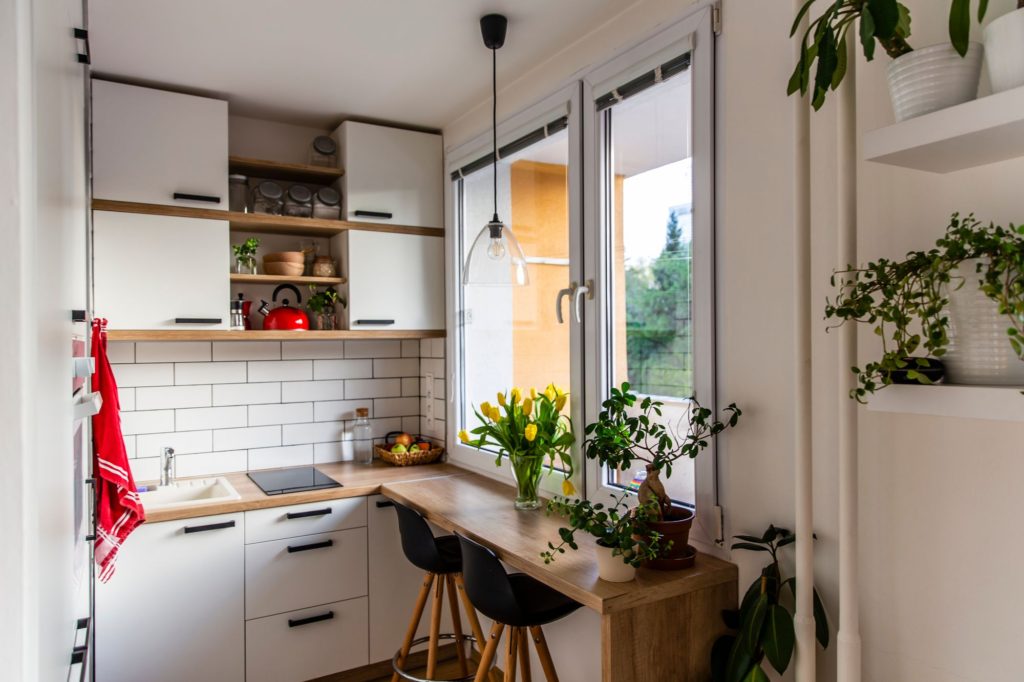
716 18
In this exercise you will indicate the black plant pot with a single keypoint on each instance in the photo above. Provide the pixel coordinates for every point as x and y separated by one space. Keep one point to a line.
934 371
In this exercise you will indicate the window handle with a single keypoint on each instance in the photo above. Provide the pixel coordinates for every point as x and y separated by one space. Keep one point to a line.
562 293
587 289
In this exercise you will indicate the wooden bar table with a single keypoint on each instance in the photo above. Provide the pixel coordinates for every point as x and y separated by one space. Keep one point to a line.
658 628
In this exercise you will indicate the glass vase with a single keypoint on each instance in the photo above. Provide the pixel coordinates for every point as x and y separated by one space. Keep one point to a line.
527 470
245 266
326 321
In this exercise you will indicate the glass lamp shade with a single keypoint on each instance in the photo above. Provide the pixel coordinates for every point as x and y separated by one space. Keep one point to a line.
496 258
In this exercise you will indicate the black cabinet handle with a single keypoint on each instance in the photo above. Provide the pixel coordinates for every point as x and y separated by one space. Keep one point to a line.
209 526
182 196
381 504
307 514
375 321
84 57
78 316
294 623
373 214
292 549
198 320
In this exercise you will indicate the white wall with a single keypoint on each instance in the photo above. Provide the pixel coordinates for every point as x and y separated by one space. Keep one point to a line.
259 139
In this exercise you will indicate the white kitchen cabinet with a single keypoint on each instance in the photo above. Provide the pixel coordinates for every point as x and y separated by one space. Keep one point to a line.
160 272
395 281
391 176
158 147
174 610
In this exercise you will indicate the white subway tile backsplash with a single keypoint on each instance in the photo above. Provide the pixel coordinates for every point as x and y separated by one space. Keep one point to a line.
433 366
410 348
411 424
167 397
342 369
129 446
287 413
144 375
183 442
210 463
209 373
332 452
246 394
396 367
303 391
321 432
281 370
396 407
252 437
126 398
339 410
287 456
436 348
156 421
372 388
147 469
312 350
120 351
211 418
373 349
246 350
410 386
379 428
172 351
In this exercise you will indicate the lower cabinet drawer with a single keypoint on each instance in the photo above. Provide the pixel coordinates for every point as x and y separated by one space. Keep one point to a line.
306 644
282 575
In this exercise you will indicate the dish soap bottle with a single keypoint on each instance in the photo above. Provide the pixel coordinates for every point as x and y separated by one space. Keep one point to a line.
362 436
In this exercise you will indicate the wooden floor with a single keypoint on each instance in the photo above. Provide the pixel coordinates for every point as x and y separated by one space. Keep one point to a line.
448 667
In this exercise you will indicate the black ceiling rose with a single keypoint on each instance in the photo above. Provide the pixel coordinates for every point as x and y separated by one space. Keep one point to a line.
493 28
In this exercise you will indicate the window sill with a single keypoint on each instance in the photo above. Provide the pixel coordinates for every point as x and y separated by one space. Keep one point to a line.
999 403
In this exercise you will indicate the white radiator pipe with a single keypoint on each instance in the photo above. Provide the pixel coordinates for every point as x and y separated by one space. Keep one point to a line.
804 619
848 638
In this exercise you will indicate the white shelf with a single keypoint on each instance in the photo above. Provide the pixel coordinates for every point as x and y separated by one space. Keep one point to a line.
999 403
975 133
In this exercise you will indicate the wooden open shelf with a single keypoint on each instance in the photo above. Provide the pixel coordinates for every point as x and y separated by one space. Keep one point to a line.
255 335
281 279
262 223
276 170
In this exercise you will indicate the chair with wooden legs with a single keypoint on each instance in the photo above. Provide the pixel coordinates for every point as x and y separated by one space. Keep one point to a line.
514 601
441 558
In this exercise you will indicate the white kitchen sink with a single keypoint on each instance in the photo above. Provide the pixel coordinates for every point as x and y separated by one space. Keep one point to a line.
189 493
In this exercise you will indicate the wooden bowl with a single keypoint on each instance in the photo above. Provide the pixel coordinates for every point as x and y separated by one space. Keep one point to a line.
285 257
282 269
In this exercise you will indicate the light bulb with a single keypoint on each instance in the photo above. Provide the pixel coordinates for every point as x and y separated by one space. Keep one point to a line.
496 249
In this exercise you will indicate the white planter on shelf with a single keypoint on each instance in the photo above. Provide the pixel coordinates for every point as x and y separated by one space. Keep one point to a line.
1004 51
612 568
933 78
979 349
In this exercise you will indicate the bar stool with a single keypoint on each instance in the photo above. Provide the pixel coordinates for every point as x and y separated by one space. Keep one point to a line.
441 559
516 601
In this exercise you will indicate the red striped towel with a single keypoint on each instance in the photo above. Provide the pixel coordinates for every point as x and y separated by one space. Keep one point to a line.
118 508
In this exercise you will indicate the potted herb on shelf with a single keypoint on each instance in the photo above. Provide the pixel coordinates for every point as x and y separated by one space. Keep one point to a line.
961 302
322 305
920 81
530 431
245 256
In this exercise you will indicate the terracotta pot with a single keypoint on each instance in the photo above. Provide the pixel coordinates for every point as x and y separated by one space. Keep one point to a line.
674 528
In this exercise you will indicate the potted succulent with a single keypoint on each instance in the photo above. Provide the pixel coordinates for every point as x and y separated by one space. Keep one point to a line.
245 256
1004 50
961 302
530 431
322 305
920 81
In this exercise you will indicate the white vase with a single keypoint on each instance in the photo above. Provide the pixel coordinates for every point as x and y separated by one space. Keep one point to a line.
1004 51
979 349
933 78
612 568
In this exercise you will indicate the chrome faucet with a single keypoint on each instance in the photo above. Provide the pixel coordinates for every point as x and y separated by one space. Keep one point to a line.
166 463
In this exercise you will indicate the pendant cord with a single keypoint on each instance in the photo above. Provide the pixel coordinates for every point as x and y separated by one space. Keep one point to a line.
494 124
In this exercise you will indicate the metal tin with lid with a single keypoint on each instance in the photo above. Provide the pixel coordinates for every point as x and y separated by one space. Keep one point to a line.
267 197
327 204
298 201
323 152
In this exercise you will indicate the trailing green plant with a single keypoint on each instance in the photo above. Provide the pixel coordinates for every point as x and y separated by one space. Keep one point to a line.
623 435
763 625
616 526
246 251
905 301
887 22
320 301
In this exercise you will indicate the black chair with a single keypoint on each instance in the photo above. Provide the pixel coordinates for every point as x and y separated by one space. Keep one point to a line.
516 601
441 559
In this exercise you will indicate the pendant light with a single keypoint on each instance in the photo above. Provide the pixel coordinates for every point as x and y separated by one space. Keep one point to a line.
495 258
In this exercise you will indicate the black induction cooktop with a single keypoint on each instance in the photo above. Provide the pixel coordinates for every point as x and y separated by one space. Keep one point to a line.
292 480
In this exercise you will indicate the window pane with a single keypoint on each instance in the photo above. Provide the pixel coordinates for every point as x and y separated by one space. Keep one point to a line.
510 336
649 219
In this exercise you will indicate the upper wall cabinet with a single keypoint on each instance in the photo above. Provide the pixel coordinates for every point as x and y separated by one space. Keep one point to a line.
391 175
158 147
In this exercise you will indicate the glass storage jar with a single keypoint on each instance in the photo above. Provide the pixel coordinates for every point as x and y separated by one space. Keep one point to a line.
362 435
327 204
323 266
238 193
267 198
298 201
323 152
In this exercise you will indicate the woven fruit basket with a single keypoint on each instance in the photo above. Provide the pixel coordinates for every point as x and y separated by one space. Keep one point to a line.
404 459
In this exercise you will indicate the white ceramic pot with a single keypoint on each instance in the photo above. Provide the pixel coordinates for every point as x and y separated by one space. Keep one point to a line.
612 568
1004 51
979 349
933 78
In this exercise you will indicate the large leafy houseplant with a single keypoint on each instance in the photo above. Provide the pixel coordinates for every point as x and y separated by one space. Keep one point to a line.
887 22
905 301
763 625
529 430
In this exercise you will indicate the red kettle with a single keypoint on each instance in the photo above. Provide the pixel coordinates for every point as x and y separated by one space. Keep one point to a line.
284 317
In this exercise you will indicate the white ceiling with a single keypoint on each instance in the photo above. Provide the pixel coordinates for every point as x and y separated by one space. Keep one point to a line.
315 62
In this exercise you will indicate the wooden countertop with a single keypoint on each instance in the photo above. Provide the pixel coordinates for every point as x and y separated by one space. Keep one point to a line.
481 508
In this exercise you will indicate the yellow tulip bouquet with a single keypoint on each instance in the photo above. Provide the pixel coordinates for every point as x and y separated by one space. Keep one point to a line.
529 430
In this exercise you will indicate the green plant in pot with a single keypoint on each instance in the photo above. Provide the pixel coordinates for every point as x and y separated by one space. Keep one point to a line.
907 304
245 256
763 625
322 305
